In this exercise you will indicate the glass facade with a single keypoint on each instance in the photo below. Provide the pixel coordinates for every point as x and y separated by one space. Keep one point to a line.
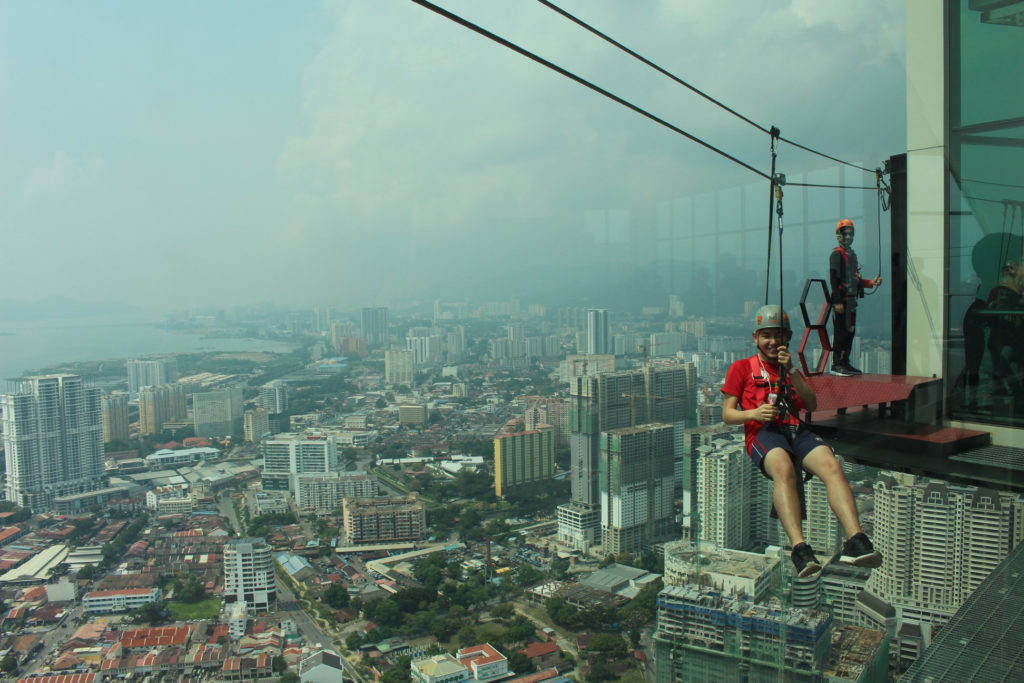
985 354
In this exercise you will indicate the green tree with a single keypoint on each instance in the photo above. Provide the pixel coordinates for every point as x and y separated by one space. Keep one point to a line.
189 588
520 663
337 596
8 664
152 613
503 611
399 673
278 665
467 636
88 572
289 677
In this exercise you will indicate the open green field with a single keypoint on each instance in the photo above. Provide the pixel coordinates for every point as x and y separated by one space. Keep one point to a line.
184 611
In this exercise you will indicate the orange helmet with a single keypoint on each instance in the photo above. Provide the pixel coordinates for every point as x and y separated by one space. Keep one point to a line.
845 223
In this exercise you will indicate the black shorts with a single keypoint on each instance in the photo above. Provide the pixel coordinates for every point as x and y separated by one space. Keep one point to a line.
773 435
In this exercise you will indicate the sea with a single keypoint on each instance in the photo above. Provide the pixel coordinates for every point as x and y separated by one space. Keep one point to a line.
31 345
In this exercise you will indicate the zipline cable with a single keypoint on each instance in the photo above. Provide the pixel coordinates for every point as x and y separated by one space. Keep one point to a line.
774 132
582 81
680 81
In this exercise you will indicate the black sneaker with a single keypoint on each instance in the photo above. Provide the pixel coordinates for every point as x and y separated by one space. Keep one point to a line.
852 370
859 552
841 370
804 560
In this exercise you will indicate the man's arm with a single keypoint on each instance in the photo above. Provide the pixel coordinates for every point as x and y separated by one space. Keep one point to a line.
732 415
800 385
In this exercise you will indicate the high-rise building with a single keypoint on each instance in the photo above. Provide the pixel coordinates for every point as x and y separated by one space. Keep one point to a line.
549 411
255 424
324 493
274 397
53 440
249 574
455 346
115 417
426 346
523 457
398 367
150 373
599 336
218 413
158 405
383 520
664 393
939 542
375 325
723 509
287 455
637 487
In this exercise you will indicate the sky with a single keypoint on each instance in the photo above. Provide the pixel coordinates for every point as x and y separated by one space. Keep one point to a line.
371 152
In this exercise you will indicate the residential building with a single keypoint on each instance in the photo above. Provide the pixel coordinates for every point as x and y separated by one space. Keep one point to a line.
375 326
523 457
383 520
150 373
122 600
398 367
288 455
255 424
274 397
114 407
637 487
442 668
599 337
249 573
158 405
323 493
413 414
218 413
939 541
53 440
662 393
542 410
723 501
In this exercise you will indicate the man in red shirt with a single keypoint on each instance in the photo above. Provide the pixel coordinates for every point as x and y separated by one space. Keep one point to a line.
783 448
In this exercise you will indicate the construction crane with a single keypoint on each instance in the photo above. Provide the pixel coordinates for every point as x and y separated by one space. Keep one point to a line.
632 403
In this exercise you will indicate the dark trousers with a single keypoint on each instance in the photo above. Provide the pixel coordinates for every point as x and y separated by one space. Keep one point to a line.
843 326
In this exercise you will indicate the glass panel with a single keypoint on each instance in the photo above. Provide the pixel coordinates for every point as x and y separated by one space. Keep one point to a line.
985 356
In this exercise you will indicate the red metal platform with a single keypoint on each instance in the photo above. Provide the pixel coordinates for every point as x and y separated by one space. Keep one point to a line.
893 411
836 392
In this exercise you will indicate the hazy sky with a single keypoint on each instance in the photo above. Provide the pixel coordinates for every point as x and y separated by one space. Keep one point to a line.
364 152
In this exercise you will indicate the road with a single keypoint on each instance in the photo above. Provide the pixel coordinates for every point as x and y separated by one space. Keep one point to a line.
313 634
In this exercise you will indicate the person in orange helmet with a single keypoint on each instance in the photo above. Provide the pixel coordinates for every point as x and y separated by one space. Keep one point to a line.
847 287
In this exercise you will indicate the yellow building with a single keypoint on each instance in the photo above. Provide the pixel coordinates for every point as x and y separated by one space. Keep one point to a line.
523 457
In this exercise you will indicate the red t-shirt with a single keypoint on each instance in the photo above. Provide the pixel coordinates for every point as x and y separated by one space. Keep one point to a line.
751 381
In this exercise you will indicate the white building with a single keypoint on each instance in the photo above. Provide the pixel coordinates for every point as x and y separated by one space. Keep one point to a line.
249 573
483 662
170 499
289 454
599 337
325 492
274 397
103 602
723 493
238 618
150 373
322 667
398 367
939 542
53 440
